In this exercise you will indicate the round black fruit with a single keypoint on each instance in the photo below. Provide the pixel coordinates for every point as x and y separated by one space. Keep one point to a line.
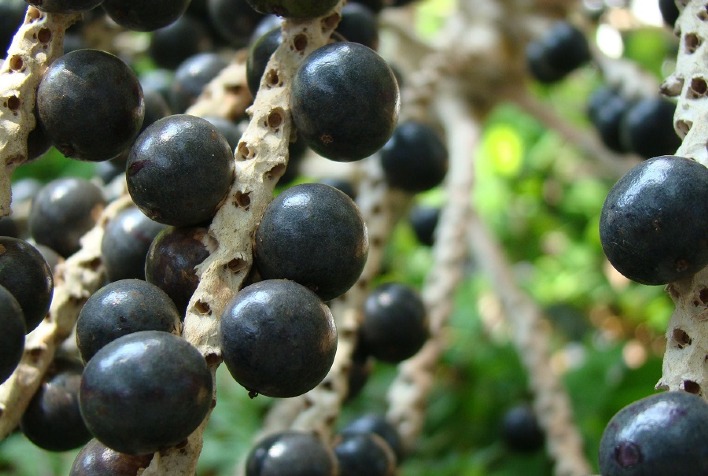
278 338
12 338
145 391
96 459
26 275
648 128
90 104
364 453
63 211
179 170
561 50
313 234
144 15
520 430
291 453
395 324
120 308
661 434
414 159
345 101
377 424
52 420
652 225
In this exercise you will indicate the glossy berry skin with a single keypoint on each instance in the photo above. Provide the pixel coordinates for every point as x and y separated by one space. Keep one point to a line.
560 51
173 44
661 434
293 8
63 211
144 15
126 242
345 101
359 24
52 420
377 424
414 159
90 104
179 170
315 235
65 6
520 430
648 128
145 391
277 338
12 338
25 273
171 261
291 453
96 459
652 225
606 110
364 453
120 308
395 324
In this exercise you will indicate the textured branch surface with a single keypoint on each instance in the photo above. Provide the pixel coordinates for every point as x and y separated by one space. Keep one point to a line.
74 281
531 339
409 392
260 159
35 45
686 355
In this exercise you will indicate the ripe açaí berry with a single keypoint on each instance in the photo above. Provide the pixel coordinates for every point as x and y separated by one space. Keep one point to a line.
395 324
414 159
190 78
652 225
661 434
313 234
293 8
377 424
179 170
259 52
364 453
52 419
25 273
359 24
345 101
12 338
144 15
171 45
126 242
171 259
291 453
278 338
424 220
562 49
647 128
63 211
145 391
520 430
235 20
96 459
120 308
90 104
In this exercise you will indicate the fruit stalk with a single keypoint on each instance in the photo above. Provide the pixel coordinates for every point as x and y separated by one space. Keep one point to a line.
261 157
35 45
687 332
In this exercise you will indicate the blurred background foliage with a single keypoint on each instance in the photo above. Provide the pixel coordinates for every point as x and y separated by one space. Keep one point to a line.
542 200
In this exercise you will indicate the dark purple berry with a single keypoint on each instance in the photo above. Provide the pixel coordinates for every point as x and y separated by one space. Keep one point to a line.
180 170
278 338
315 235
120 308
377 424
12 338
293 8
173 44
96 459
144 15
345 101
145 391
235 20
561 50
520 430
648 128
364 453
90 104
291 453
652 225
191 76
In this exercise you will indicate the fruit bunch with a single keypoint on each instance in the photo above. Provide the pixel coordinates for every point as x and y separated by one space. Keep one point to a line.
184 259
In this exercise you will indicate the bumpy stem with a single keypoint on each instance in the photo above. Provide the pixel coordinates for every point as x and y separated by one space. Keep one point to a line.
35 45
686 355
260 159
